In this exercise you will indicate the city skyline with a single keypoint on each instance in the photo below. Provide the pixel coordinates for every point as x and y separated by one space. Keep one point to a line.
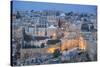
38 6
52 33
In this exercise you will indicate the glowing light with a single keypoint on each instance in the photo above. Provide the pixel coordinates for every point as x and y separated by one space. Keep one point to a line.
82 44
54 34
73 43
70 44
51 50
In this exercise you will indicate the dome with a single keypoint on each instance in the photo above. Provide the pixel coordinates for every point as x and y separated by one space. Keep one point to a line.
62 14
52 26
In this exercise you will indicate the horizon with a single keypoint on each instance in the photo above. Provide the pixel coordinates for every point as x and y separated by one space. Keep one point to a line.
39 6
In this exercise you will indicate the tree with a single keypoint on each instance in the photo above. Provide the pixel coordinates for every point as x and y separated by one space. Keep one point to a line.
85 27
70 13
59 23
26 37
42 45
57 13
18 15
56 53
91 27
